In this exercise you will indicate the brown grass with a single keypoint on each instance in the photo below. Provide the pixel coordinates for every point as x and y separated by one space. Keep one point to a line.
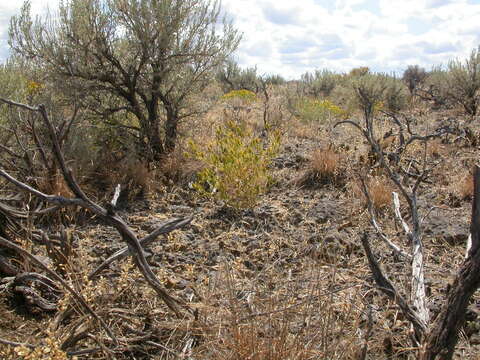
463 186
295 321
380 190
324 167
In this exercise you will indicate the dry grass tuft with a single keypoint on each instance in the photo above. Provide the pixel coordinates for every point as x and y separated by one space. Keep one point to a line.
54 184
462 186
380 190
324 167
176 168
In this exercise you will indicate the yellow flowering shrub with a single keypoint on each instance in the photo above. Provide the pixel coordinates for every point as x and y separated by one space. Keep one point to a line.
246 96
316 110
236 165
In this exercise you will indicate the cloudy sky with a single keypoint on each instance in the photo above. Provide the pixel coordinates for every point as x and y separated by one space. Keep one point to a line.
290 37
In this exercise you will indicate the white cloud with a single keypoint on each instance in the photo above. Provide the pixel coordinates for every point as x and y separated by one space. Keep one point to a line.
291 37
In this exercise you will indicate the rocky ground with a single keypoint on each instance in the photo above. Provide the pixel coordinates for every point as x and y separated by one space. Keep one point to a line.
285 280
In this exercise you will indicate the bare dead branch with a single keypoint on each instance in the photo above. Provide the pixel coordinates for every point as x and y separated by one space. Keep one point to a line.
396 249
164 228
398 214
15 344
20 105
54 275
443 336
59 200
387 287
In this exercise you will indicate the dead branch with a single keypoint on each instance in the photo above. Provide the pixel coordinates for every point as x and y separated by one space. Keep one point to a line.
6 267
443 336
164 228
15 344
81 199
54 275
396 249
387 287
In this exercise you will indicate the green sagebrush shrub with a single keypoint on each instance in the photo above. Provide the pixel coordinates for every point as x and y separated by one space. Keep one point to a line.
315 110
237 165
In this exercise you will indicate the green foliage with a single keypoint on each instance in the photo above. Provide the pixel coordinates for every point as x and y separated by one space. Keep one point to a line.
435 87
236 165
232 77
146 58
319 84
359 71
321 111
378 91
13 86
464 82
395 97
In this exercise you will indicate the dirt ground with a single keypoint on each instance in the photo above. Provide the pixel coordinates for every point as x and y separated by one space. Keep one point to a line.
285 280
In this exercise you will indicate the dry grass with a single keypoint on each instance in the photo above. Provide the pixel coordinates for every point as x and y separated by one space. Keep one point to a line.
292 306
461 186
380 190
324 167
294 320
54 184
176 168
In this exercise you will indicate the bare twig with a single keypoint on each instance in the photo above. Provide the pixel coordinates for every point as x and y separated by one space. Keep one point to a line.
397 250
54 275
387 287
164 228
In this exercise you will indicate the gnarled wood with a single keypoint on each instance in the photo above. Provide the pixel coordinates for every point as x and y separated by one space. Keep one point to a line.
443 336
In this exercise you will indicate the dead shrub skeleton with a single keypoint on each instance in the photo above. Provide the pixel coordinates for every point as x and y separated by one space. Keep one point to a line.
437 338
108 215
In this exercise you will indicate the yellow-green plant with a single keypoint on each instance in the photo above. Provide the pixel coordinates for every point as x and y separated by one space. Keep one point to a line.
315 110
236 165
243 95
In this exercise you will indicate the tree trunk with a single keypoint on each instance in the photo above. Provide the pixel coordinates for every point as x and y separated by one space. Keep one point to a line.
443 336
155 148
155 145
171 130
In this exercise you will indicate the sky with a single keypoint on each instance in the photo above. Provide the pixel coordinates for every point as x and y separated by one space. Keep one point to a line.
289 37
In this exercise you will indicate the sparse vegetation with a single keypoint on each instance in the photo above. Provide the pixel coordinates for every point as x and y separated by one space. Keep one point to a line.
414 76
266 198
237 165
464 82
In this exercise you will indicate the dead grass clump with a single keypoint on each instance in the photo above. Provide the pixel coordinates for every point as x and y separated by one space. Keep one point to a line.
461 187
324 168
176 168
294 320
135 177
435 149
139 175
54 184
380 190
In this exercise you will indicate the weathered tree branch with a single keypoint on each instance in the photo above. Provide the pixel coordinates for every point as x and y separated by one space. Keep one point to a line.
164 228
109 216
387 287
443 335
54 275
396 249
